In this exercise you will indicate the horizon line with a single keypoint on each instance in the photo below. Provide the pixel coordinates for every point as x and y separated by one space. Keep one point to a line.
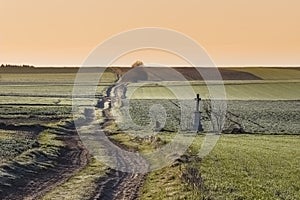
170 65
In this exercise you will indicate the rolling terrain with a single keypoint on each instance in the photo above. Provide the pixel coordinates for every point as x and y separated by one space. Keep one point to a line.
43 157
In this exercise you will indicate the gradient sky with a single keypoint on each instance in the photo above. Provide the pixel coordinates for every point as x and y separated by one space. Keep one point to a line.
234 32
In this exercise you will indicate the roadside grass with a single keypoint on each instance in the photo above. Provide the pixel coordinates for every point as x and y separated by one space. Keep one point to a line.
13 143
166 183
239 167
47 138
80 186
131 142
37 151
48 146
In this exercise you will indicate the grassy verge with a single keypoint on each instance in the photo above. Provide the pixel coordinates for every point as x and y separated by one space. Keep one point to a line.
13 143
48 147
167 183
36 155
81 185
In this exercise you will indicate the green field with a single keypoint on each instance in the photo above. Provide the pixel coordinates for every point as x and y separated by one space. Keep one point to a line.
39 144
238 90
257 117
49 85
275 84
239 167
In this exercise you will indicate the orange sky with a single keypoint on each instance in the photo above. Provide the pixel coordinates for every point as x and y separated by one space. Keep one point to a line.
234 32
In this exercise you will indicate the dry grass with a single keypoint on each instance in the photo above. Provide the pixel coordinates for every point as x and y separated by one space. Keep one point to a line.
82 185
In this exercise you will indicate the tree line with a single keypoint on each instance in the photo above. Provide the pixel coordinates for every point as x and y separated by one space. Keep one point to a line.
16 66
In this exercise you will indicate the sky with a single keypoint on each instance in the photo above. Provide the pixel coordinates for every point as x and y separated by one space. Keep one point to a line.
233 32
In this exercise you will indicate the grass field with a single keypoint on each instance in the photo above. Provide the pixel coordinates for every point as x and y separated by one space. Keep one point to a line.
238 90
39 145
263 117
59 86
274 84
239 167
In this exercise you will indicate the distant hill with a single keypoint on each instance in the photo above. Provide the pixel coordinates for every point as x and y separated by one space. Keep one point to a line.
188 73
8 69
163 73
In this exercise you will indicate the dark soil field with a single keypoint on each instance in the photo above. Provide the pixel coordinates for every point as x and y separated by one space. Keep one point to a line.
156 73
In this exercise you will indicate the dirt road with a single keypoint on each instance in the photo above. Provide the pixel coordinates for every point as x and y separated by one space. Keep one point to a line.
33 180
119 184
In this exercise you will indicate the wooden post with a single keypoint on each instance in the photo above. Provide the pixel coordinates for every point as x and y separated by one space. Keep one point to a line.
197 120
198 99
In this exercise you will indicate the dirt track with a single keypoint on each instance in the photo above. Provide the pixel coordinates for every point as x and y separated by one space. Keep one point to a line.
119 184
32 181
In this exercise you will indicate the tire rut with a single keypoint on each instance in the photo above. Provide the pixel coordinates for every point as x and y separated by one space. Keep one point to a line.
118 184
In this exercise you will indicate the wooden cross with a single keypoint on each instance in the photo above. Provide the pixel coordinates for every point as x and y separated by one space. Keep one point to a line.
198 99
197 120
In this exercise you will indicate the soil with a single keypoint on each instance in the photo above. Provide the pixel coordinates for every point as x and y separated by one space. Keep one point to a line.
117 184
189 73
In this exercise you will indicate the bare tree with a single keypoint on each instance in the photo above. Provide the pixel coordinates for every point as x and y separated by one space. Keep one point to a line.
216 110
